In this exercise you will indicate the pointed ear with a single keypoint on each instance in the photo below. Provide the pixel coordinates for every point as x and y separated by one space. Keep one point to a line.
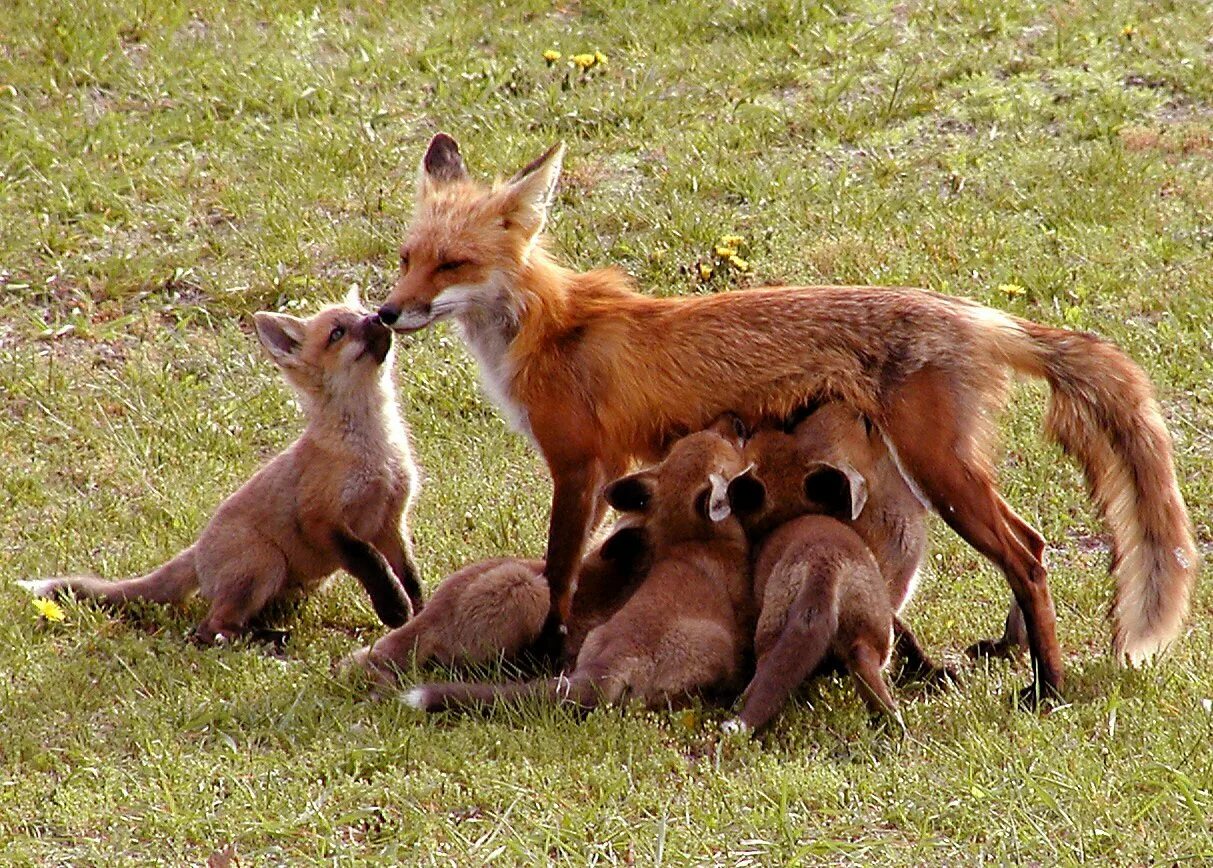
281 334
626 546
631 493
717 506
747 494
730 426
840 489
442 164
353 298
529 194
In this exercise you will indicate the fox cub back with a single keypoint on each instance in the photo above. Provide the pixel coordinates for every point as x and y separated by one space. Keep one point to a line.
818 590
338 496
686 626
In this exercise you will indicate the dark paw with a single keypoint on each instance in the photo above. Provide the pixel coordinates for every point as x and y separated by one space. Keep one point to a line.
547 651
1039 696
995 649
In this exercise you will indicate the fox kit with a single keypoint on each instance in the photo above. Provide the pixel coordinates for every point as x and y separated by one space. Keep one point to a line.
685 629
832 437
495 608
337 497
599 375
819 591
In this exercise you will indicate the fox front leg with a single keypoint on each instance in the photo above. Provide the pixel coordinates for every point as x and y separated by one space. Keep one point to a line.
371 568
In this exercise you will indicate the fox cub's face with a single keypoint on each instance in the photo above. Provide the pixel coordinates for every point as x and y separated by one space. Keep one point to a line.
468 242
337 352
806 470
685 497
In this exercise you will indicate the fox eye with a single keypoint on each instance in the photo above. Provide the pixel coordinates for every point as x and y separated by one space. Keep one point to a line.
404 262
336 334
452 264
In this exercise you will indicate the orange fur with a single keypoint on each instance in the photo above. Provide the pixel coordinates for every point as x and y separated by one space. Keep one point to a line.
601 376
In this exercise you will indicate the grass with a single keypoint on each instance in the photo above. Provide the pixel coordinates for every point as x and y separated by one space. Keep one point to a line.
168 168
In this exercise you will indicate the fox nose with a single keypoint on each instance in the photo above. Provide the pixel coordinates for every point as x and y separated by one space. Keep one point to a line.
388 314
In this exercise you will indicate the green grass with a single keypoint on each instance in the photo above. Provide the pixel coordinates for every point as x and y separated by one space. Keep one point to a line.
168 168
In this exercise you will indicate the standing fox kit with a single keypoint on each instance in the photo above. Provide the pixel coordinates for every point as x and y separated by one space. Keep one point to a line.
685 628
599 376
337 497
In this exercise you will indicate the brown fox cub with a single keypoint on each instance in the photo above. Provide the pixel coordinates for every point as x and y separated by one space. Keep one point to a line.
832 437
495 608
600 376
819 591
337 497
685 629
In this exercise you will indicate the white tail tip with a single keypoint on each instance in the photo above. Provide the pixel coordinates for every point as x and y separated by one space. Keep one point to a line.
414 698
38 587
735 726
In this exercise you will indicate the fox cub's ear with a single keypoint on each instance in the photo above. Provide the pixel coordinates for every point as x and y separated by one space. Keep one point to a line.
281 334
631 493
441 164
839 489
528 195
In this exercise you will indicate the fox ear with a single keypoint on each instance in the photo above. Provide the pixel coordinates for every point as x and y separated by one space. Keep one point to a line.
353 298
281 334
529 194
441 164
631 493
840 488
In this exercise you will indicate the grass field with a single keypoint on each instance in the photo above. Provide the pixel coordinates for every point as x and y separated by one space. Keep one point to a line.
168 168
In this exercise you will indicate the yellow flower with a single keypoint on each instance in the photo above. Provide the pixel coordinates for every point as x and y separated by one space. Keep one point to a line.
50 610
551 55
1128 31
1012 289
585 61
705 271
739 263
732 240
725 251
599 57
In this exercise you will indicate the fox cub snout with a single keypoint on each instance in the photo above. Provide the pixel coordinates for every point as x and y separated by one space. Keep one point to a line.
337 497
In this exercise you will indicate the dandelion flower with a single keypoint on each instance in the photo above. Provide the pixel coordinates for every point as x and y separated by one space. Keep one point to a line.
585 61
1012 290
724 251
599 57
551 55
1128 31
732 240
739 263
50 610
705 271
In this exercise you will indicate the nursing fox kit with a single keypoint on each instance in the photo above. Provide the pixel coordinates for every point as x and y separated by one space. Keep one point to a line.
337 497
600 376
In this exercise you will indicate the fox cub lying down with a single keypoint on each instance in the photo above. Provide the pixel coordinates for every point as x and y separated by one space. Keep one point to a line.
685 628
338 497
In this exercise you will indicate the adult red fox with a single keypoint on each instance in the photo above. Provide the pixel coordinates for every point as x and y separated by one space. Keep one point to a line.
337 497
685 628
600 376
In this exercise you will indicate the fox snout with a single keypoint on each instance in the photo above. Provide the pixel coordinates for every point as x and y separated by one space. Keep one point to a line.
407 319
376 337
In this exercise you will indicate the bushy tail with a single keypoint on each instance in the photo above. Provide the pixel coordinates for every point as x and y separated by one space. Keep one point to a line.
580 691
169 583
1104 414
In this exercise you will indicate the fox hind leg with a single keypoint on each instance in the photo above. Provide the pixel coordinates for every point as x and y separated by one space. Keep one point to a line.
937 450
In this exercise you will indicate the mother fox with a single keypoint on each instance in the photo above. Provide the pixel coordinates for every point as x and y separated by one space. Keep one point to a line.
600 376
